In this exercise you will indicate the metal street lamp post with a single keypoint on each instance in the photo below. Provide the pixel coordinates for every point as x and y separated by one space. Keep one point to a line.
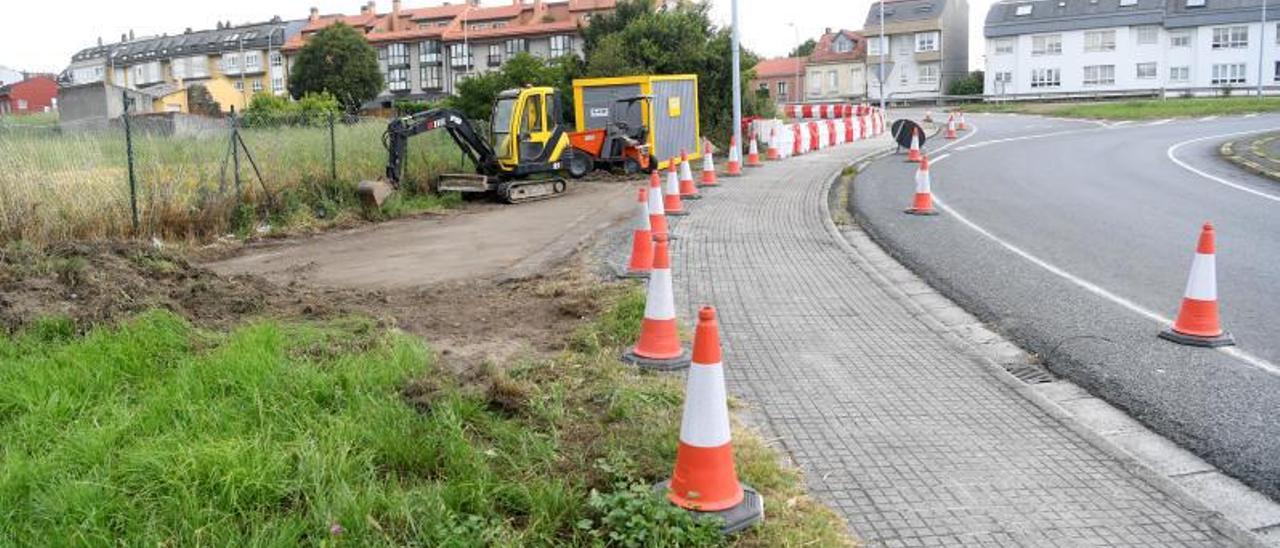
737 79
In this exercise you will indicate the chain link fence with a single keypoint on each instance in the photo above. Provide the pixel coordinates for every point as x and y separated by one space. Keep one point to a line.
196 178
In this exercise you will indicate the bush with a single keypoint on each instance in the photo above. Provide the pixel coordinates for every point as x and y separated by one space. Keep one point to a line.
971 84
475 95
266 110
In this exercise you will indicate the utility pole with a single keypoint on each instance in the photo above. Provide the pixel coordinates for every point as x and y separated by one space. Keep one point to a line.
796 30
883 47
1262 45
737 79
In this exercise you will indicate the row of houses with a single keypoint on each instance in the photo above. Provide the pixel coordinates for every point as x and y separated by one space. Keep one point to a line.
916 51
423 53
1101 46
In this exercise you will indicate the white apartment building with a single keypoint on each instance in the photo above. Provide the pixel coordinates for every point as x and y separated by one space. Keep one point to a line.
1081 46
925 47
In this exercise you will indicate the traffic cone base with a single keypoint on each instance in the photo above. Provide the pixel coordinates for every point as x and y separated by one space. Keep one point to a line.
1223 339
735 518
915 211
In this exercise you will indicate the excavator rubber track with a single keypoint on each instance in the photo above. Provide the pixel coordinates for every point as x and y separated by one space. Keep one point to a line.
519 192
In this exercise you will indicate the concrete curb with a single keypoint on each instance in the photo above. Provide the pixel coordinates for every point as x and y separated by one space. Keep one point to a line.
1252 160
971 337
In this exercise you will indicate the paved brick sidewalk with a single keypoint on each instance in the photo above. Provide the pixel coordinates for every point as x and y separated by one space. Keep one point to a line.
915 442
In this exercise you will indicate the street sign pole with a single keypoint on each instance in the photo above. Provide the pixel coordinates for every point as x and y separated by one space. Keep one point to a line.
883 47
737 79
1262 45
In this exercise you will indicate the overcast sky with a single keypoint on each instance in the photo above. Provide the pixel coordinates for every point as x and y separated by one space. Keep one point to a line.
32 37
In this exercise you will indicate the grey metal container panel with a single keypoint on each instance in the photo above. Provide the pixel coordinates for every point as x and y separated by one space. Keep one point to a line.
598 103
675 134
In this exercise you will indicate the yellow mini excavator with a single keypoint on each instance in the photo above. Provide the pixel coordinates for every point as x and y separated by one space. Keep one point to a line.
524 160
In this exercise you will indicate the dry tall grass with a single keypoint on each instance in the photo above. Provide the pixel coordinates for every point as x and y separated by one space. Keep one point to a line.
58 186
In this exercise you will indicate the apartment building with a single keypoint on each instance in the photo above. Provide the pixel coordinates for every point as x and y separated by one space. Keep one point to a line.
782 79
1180 46
425 52
925 47
232 61
837 67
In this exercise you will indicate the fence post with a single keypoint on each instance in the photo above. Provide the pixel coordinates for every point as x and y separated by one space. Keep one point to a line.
235 151
128 148
333 152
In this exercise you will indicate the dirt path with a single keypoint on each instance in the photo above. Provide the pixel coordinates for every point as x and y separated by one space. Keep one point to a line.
484 241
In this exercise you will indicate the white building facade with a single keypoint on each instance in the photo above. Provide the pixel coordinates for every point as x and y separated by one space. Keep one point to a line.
1101 46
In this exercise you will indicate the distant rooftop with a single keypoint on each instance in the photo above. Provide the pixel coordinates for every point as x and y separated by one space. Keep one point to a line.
1014 17
223 38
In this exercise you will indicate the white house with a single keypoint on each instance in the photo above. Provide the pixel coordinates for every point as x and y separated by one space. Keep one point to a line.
1072 46
925 47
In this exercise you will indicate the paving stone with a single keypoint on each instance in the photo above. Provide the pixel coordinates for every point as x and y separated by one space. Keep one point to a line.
895 427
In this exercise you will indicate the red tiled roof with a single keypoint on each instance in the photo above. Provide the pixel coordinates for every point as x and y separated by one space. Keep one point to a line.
782 66
823 52
591 5
512 30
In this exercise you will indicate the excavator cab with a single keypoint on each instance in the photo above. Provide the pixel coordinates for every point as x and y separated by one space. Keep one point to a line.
528 133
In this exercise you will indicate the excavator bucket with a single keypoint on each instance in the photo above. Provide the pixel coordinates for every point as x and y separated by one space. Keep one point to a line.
373 193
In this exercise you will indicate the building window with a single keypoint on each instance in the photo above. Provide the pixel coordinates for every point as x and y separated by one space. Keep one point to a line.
22 104
876 46
1195 3
239 85
252 61
1146 71
229 63
277 84
1046 78
516 45
843 44
1022 10
277 60
458 77
257 85
927 41
1180 40
495 55
1230 37
1277 76
561 44
431 76
833 82
928 74
1003 46
1179 74
1127 3
1047 44
398 79
429 52
1100 40
1099 75
782 91
398 55
1228 73
815 83
902 77
460 55
1147 35
382 54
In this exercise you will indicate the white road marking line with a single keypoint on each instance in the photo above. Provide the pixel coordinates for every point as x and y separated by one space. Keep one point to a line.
1208 118
1022 138
1172 149
1121 123
1091 287
1160 122
1251 115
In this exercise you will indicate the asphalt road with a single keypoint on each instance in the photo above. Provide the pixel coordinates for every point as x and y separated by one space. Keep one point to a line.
1075 239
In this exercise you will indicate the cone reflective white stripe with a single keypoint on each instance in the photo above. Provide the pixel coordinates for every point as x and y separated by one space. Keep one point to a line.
708 165
922 181
641 261
661 304
1202 283
686 172
655 200
706 415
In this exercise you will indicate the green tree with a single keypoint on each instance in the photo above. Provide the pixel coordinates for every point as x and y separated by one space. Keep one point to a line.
805 49
337 60
970 84
475 95
638 39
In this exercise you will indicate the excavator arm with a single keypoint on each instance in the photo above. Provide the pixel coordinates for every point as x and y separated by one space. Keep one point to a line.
396 140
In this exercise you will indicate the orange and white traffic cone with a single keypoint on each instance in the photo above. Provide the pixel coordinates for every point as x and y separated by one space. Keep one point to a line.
688 189
708 165
671 203
657 213
735 158
705 479
641 240
951 128
961 125
771 153
923 204
753 153
913 153
1197 323
659 344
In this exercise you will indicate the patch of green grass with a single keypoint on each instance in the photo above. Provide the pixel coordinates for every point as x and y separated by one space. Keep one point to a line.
345 433
1146 109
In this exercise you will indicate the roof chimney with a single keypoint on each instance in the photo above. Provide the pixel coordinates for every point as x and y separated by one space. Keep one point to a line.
130 35
364 10
315 14
395 16
99 41
187 31
827 30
